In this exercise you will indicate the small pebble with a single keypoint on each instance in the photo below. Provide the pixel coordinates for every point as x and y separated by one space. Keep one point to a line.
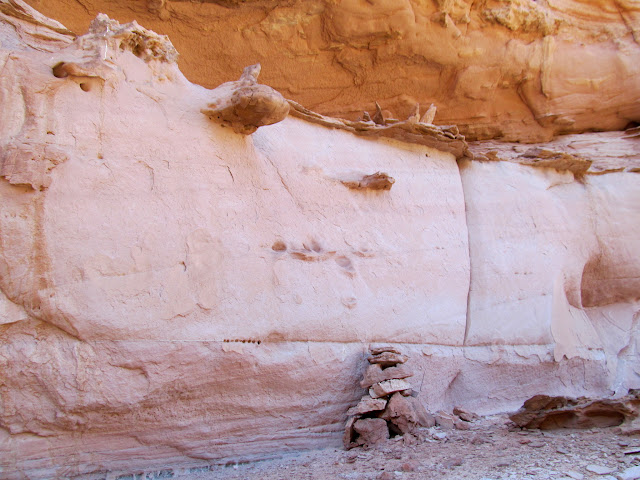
410 466
453 462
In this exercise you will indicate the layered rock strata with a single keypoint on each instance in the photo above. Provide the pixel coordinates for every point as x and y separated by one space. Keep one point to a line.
173 292
517 70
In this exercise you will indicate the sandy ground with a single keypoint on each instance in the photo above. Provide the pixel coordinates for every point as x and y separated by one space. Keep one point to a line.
490 450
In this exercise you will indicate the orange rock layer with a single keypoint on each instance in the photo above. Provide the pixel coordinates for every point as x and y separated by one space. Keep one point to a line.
520 70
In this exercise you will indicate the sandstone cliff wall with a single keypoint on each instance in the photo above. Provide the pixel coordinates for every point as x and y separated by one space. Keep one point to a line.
520 70
175 292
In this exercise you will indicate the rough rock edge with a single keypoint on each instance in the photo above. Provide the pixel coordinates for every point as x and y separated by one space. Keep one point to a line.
448 139
148 45
89 59
22 11
375 181
35 30
143 43
542 158
443 138
545 412
531 19
565 153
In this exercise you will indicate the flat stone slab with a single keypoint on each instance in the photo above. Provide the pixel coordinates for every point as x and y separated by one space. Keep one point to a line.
368 404
349 433
631 473
445 420
375 374
377 349
388 387
388 359
465 415
600 469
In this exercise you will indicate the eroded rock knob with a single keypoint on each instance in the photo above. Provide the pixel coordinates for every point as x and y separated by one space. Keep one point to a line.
245 105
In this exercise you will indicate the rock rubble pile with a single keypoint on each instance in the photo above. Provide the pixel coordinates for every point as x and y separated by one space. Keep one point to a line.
389 407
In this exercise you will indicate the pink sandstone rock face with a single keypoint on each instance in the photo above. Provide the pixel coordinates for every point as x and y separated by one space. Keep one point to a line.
173 292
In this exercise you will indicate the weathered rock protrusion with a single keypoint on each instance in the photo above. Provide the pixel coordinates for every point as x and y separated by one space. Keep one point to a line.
388 408
429 115
375 181
549 413
246 104
378 117
446 138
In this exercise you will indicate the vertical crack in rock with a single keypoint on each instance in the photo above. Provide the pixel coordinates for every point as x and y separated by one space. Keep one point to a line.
284 184
461 164
629 351
39 305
